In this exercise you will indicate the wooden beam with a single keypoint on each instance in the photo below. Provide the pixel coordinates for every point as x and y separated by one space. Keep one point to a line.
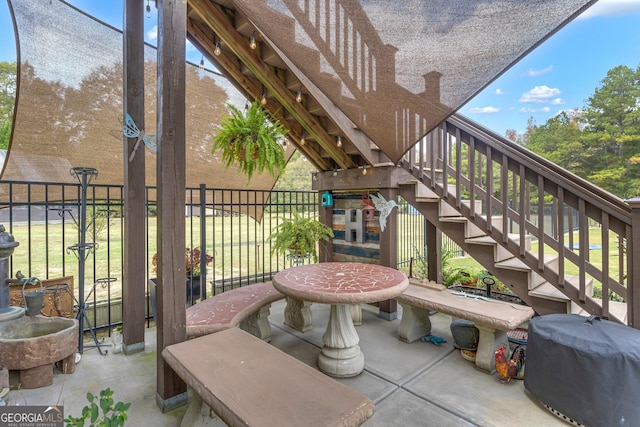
171 292
229 65
218 22
133 289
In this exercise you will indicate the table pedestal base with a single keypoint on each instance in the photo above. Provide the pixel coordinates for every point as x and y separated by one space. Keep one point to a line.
341 355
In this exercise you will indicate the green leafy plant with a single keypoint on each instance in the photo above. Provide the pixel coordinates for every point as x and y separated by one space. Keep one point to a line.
113 415
452 275
298 236
251 140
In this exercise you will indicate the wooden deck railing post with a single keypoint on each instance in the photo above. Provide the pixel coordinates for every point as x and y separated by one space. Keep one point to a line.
633 269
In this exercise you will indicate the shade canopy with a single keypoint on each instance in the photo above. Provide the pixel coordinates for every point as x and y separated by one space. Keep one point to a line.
69 105
399 68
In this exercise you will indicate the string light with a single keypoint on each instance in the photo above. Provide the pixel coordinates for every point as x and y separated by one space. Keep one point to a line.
202 63
263 101
299 96
302 140
339 142
217 50
335 171
315 176
252 42
364 170
148 8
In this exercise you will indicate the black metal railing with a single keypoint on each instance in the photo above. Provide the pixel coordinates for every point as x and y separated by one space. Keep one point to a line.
232 226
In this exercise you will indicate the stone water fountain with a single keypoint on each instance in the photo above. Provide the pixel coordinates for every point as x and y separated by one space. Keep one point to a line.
33 344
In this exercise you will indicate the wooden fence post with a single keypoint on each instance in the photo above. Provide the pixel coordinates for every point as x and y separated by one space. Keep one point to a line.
633 268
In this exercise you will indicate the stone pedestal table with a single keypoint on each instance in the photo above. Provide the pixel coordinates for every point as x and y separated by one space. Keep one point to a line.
341 284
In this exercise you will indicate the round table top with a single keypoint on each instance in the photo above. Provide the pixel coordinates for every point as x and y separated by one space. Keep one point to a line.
341 282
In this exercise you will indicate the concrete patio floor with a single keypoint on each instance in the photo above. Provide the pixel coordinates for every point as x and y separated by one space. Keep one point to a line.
417 384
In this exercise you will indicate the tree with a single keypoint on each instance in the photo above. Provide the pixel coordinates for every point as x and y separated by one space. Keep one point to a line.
601 142
560 140
612 119
8 80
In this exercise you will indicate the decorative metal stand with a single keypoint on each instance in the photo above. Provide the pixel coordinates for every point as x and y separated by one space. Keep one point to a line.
82 250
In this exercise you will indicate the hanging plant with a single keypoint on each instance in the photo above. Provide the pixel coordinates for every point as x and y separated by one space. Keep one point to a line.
251 140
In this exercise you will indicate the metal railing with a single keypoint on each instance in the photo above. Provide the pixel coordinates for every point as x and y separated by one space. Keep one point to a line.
233 227
584 251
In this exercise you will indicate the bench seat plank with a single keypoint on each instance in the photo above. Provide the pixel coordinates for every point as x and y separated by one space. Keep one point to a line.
230 308
501 315
493 318
248 382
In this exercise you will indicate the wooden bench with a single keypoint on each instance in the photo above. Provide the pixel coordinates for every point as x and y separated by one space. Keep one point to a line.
247 307
493 318
248 382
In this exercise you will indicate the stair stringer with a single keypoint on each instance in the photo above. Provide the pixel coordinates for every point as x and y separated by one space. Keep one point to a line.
518 280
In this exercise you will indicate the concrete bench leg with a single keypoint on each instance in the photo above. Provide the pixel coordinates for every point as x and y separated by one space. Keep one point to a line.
258 325
199 414
356 314
297 315
415 323
490 339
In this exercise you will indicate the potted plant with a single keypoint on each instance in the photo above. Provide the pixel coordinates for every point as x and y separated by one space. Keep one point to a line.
297 236
193 270
251 140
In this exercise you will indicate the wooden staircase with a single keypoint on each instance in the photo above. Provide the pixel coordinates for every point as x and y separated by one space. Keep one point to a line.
452 170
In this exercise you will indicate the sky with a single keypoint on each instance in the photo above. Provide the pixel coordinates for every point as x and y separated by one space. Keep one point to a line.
560 74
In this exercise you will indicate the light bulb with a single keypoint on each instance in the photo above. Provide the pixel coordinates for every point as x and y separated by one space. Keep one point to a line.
252 42
263 101
315 176
217 50
299 96
148 8
364 170
302 140
339 142
335 171
202 63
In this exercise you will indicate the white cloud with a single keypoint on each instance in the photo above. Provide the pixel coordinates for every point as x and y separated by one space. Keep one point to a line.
558 101
152 34
535 110
535 73
484 110
611 8
499 91
539 95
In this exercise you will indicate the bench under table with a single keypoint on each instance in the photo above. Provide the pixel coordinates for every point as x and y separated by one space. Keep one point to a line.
248 382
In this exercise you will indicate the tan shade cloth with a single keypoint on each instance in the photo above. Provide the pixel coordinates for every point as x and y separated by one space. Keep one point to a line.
399 68
69 106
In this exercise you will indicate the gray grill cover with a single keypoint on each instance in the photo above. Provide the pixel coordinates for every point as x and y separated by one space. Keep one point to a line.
588 372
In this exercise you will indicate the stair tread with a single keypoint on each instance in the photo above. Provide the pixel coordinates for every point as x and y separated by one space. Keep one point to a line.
548 291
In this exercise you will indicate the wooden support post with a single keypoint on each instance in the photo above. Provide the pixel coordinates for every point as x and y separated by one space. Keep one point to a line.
133 316
326 217
434 252
633 268
389 251
171 293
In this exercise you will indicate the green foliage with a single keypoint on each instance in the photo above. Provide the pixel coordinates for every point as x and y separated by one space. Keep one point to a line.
601 143
298 235
8 80
297 174
112 415
419 266
5 133
251 141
